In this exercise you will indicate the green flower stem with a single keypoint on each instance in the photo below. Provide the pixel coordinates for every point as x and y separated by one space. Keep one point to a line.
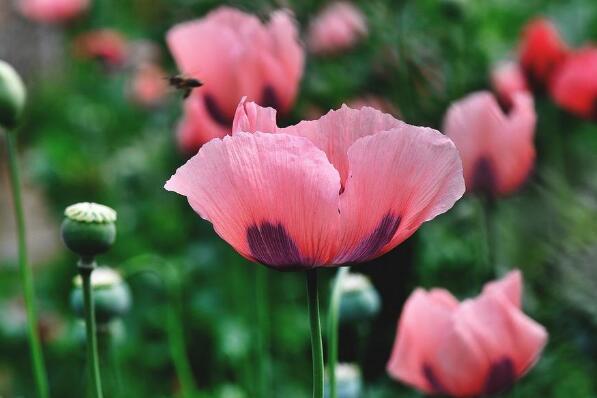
39 368
262 308
316 343
85 270
333 313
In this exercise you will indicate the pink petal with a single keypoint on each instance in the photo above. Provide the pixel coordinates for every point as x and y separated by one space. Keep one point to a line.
251 117
273 197
424 318
510 286
398 179
198 126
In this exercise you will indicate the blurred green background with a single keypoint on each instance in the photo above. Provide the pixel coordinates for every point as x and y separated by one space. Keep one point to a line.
85 140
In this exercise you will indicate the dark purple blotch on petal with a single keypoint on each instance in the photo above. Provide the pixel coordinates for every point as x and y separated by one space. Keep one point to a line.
484 177
501 377
380 236
271 245
269 98
433 381
216 112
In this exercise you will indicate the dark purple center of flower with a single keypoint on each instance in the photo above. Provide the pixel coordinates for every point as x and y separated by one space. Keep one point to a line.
434 383
271 244
380 236
216 112
270 98
501 377
594 112
484 178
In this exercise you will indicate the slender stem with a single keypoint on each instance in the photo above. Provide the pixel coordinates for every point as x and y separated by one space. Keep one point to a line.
85 270
176 338
39 368
316 343
263 325
333 329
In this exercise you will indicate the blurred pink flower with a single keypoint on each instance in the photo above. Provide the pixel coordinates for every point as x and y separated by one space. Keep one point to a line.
338 27
574 86
478 347
105 45
497 149
345 188
149 86
508 79
541 52
234 55
52 11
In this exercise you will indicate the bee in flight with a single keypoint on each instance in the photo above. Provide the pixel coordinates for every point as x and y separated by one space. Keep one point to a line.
184 83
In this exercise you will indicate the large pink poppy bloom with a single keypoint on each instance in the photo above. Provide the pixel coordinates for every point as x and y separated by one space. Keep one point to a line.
345 188
234 54
508 79
478 347
496 148
574 86
338 27
52 11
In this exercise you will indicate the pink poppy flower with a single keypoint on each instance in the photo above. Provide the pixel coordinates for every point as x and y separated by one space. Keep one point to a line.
338 27
52 11
541 51
105 45
148 86
345 188
508 79
496 148
574 86
478 347
234 55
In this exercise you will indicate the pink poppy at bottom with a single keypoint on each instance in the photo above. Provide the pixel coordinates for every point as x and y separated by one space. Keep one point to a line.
574 86
52 11
234 54
338 27
477 347
508 79
342 189
496 148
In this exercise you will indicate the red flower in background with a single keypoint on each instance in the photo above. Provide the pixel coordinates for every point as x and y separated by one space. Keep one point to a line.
105 45
541 52
148 86
497 149
338 27
508 79
574 86
345 188
52 11
478 347
234 54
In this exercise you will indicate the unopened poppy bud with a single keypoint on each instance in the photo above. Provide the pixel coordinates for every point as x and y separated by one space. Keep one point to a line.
349 383
111 295
360 300
12 96
89 229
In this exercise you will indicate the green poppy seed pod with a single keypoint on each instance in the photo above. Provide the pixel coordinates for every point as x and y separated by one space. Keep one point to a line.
12 96
349 382
359 300
111 295
89 229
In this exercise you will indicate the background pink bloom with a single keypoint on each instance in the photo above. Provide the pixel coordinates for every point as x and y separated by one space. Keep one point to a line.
51 11
497 149
149 86
574 86
345 188
507 79
105 45
478 347
541 51
338 27
234 54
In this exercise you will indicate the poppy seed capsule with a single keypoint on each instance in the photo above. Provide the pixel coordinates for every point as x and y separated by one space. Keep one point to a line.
360 301
89 229
111 295
12 96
